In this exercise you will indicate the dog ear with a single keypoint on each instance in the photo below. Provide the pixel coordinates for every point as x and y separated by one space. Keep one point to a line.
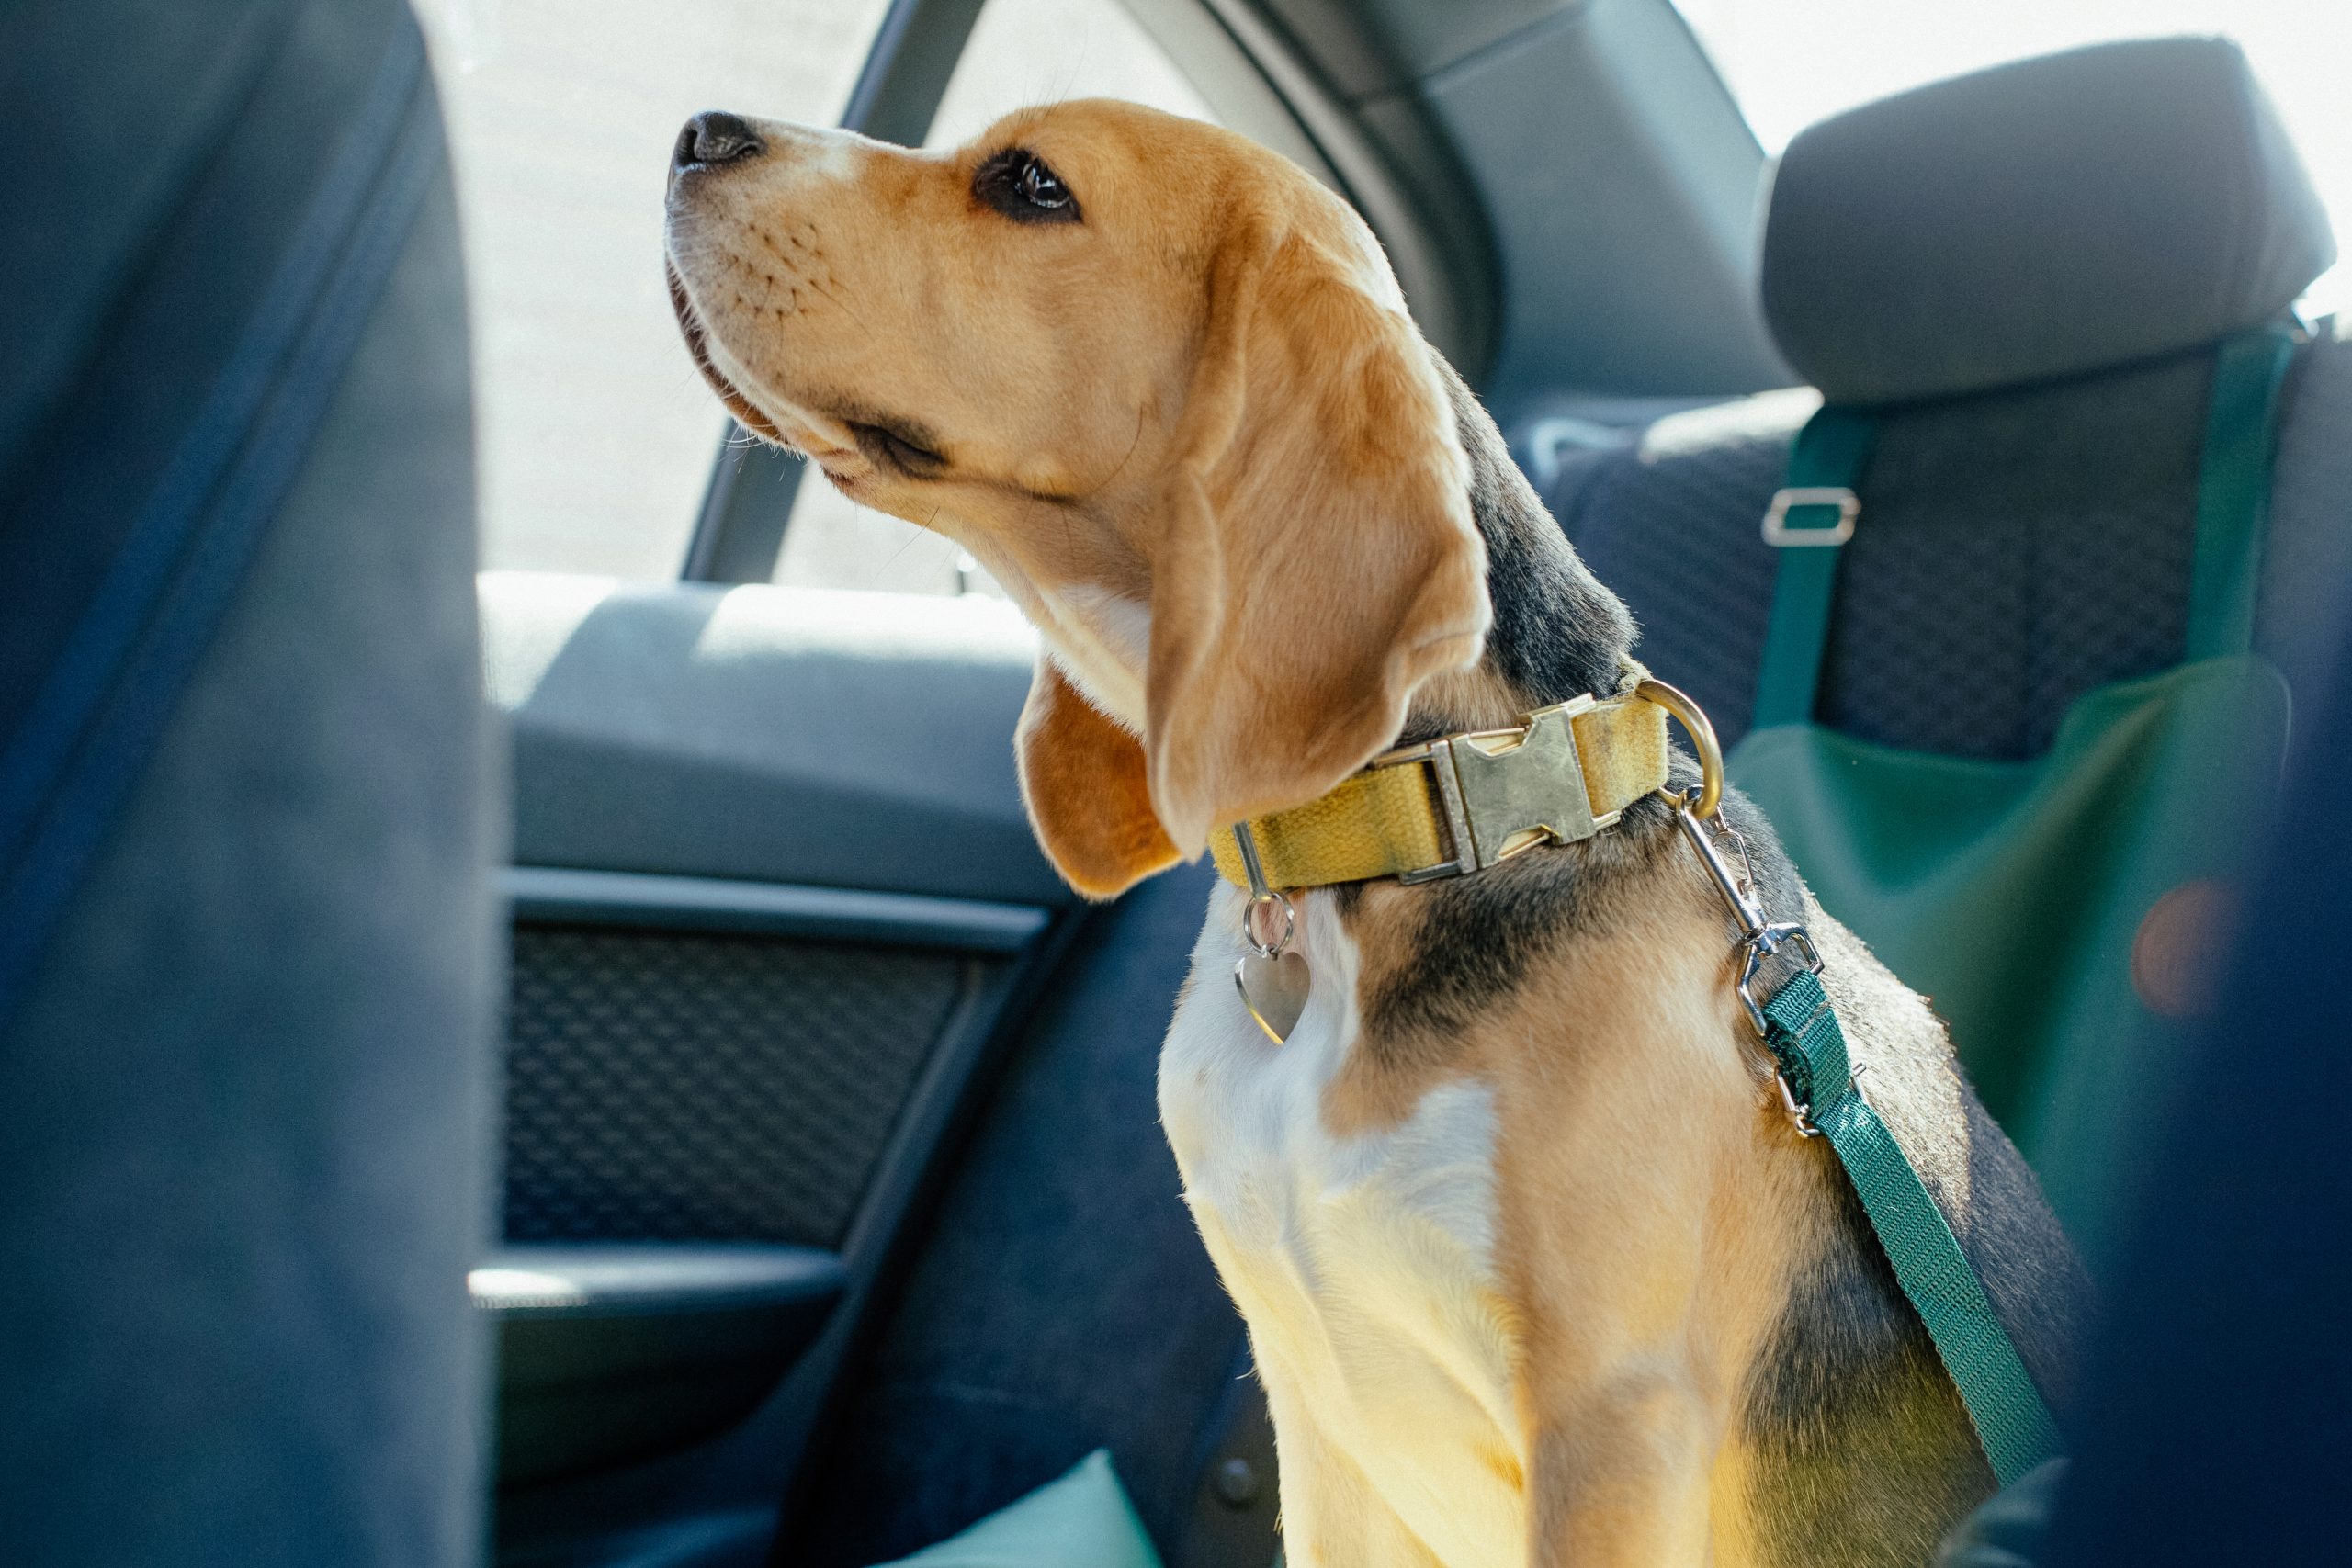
1082 778
1317 559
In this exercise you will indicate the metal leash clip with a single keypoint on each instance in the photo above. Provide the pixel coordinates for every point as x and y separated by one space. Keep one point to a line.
1761 940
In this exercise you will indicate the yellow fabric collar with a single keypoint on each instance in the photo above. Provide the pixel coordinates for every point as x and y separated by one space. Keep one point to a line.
1464 802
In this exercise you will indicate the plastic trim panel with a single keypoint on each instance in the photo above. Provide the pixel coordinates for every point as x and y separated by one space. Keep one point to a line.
557 894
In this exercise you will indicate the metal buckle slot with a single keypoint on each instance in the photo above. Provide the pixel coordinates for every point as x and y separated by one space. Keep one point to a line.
1522 789
1765 942
1505 791
1800 1115
1437 756
1776 519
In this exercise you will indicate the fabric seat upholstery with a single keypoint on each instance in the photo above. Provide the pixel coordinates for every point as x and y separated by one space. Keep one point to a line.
2016 550
246 947
2025 272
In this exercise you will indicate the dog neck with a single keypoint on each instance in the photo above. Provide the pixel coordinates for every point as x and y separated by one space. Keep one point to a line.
1558 633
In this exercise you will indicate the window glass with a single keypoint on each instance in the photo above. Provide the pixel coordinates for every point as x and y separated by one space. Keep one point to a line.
1022 52
1792 61
597 436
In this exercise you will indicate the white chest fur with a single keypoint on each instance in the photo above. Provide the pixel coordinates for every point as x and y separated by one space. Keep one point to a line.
1365 1267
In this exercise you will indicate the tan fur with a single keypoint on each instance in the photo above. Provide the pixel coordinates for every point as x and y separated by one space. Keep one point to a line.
1634 1371
1634 1129
1207 400
1082 778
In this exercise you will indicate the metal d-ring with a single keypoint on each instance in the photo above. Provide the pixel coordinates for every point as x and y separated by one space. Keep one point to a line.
1261 896
1694 722
1699 814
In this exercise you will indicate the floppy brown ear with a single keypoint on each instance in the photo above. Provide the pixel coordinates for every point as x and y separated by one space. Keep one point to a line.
1317 559
1082 778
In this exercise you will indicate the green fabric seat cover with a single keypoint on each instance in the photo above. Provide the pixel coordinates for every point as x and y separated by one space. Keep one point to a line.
2011 893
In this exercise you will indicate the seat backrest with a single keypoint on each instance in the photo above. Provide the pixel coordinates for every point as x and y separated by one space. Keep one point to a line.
2022 280
246 952
2025 271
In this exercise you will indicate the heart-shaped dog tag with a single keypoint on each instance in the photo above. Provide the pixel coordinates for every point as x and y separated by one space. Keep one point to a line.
1273 989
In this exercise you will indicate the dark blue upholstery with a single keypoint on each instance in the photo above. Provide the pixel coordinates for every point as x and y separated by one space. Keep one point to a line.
246 983
2016 549
2030 267
1062 1302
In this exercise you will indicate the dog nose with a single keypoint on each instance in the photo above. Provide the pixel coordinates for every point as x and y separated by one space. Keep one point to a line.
713 137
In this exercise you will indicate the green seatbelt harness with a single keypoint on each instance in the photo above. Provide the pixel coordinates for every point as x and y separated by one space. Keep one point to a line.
1813 515
2059 907
2012 1422
1818 1085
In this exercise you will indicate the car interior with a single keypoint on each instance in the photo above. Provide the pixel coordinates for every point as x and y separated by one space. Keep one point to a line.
573 1070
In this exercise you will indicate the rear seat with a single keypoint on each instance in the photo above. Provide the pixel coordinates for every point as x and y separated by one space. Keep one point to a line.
2031 276
2024 276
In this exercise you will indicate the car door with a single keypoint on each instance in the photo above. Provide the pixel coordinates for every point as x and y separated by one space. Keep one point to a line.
804 1037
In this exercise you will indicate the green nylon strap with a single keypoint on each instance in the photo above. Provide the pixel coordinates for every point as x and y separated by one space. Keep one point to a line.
2233 489
1829 452
2012 1422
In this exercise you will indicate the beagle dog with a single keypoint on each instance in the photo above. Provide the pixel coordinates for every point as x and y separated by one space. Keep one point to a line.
1534 1268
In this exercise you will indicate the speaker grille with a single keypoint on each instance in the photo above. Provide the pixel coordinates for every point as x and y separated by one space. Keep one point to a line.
672 1086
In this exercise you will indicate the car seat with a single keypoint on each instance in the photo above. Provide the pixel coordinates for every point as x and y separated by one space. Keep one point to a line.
2026 276
247 956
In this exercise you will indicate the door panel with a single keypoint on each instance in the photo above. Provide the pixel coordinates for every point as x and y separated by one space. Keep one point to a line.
765 1072
777 909
796 735
608 1353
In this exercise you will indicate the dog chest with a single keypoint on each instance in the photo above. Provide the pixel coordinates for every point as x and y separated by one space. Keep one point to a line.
1364 1265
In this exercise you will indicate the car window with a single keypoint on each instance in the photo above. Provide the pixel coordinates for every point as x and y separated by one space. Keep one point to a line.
1022 52
596 435
1792 61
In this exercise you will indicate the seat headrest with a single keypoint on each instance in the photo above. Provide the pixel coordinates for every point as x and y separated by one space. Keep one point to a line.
2035 220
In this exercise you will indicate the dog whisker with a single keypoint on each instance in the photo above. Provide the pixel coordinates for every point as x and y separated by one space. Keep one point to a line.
841 304
1117 468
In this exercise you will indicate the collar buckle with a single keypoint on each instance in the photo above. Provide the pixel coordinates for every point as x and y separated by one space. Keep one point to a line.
1505 791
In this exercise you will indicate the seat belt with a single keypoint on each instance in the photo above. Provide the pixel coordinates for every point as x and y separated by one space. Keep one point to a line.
1820 1089
2012 1423
1810 521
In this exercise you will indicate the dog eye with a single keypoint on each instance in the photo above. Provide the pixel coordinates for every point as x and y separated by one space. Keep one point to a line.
1019 184
886 448
1040 187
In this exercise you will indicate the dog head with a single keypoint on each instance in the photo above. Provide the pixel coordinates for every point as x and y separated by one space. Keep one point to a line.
1159 382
